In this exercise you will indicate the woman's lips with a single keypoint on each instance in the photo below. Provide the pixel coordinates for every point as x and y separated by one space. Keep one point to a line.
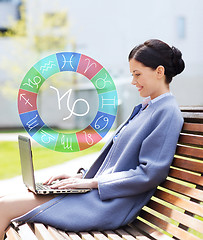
139 88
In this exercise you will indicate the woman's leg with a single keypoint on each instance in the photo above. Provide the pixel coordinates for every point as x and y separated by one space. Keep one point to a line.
13 206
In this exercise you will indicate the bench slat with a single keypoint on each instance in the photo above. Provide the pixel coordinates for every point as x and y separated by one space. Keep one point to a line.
12 234
192 115
41 232
149 231
124 235
193 127
56 234
186 176
188 165
135 232
168 227
86 236
98 235
73 236
191 108
190 139
187 191
26 232
180 217
64 235
189 151
112 235
179 202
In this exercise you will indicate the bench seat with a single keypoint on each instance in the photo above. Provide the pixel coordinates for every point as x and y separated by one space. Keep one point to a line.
174 212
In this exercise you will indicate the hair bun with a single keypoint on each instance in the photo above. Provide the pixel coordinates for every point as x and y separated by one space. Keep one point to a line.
177 61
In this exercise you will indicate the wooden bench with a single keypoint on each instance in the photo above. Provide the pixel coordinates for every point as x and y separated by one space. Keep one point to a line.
174 212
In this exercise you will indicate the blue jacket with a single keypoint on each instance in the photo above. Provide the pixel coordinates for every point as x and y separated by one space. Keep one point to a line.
128 173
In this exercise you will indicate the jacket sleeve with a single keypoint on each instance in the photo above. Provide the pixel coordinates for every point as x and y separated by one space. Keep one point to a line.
155 157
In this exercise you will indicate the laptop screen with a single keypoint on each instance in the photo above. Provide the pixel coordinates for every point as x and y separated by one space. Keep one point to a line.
26 162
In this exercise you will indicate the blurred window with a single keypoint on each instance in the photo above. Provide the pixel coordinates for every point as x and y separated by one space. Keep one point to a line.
9 14
181 27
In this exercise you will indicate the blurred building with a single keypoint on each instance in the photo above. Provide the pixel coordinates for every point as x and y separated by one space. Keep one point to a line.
106 31
9 13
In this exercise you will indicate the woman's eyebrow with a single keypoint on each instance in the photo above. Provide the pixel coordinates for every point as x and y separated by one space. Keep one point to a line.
135 70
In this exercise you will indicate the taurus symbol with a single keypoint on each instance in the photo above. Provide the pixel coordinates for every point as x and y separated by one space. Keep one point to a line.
103 82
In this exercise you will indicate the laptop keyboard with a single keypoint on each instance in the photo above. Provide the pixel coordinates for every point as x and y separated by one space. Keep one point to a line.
41 186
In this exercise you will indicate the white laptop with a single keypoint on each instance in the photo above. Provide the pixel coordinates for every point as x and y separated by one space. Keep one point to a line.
28 172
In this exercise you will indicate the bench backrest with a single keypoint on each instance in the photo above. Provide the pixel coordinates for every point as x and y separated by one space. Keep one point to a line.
177 206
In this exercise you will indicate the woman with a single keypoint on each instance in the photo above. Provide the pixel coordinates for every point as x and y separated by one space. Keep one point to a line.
131 164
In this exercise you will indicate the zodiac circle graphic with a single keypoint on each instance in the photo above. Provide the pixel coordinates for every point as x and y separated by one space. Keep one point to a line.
96 130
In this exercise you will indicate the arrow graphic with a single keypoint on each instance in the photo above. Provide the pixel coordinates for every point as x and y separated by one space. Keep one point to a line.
26 100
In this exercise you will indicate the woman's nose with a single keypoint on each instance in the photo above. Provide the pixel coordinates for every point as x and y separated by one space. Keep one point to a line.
134 82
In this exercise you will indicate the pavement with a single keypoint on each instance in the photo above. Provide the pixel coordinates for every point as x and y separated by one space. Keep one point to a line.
15 185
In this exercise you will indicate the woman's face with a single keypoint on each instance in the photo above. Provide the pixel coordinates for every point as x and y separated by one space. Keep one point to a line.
148 81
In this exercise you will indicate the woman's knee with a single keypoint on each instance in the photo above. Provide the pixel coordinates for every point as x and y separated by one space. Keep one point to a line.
13 206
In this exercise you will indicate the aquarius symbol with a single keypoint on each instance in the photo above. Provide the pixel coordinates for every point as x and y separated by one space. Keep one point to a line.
32 123
97 126
33 82
73 107
65 61
45 135
89 65
66 145
90 137
103 80
47 66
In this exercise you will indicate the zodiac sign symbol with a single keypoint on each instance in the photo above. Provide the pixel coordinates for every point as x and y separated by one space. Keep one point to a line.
108 99
66 145
97 126
45 135
33 82
103 80
65 61
73 107
31 124
47 66
90 137
26 100
89 65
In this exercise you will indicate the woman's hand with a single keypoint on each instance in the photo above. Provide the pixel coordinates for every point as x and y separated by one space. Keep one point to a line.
75 182
60 177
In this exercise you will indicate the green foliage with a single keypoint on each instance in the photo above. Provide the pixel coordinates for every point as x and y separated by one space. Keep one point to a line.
29 38
10 161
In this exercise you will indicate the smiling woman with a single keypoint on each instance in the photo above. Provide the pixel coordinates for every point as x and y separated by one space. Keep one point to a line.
153 65
130 166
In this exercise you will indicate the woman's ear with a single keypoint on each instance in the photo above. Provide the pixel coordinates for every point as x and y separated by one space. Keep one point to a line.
160 71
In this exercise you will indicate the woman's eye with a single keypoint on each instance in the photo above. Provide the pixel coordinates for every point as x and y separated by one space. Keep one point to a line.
135 75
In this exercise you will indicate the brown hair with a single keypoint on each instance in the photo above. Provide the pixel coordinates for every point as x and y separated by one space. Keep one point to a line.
154 53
